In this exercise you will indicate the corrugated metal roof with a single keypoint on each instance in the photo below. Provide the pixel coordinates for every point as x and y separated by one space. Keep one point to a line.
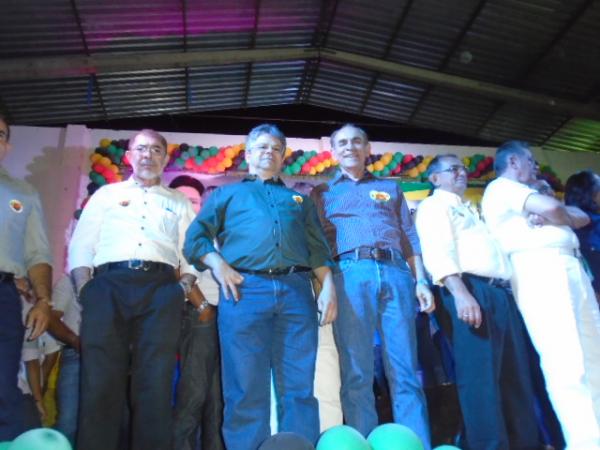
548 50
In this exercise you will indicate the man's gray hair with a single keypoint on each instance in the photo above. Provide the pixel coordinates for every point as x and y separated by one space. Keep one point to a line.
362 132
436 163
150 133
505 151
265 128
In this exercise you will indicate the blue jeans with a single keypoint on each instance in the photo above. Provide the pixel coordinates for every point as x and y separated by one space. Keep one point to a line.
378 295
274 325
67 394
11 342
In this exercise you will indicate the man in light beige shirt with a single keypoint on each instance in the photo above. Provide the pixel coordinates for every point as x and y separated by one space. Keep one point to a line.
479 314
130 236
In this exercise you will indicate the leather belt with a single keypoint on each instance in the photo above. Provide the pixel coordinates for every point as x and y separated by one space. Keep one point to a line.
496 282
6 277
375 253
283 271
135 264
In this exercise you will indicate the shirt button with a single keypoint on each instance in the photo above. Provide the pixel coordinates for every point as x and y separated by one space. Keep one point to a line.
272 205
139 244
142 228
277 221
277 245
145 203
143 217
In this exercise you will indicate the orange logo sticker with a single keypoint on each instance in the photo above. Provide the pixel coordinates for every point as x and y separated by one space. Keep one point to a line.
124 203
298 199
379 196
16 206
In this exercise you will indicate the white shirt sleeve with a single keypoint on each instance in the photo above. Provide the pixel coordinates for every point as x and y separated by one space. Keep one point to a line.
438 247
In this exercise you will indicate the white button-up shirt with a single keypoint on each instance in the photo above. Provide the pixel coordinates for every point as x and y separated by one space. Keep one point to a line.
125 221
454 240
503 209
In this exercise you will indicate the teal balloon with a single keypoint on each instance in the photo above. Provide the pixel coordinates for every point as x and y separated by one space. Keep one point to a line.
180 162
243 165
393 436
185 155
199 159
213 150
342 437
377 173
446 447
301 160
5 445
385 172
296 168
41 439
205 153
193 151
287 170
398 156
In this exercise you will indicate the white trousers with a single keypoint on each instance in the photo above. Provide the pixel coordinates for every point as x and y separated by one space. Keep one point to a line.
556 299
327 383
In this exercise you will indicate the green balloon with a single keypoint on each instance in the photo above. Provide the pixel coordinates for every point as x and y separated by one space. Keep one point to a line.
180 162
205 153
199 159
41 439
243 165
385 172
301 160
377 173
213 150
185 155
193 151
287 170
5 445
393 436
296 168
398 156
342 437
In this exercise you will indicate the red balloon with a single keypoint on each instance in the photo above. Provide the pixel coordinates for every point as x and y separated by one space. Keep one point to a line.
407 159
481 166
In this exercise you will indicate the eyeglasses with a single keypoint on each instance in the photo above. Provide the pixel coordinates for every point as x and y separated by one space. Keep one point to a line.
155 150
263 148
455 170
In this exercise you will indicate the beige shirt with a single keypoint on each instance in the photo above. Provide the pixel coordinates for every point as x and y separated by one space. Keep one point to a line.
454 240
125 221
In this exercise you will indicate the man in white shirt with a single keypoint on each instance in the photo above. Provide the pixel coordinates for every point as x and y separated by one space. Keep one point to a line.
130 236
552 290
478 312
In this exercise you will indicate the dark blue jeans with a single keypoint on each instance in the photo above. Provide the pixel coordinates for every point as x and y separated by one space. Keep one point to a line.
130 326
378 295
273 326
11 342
67 394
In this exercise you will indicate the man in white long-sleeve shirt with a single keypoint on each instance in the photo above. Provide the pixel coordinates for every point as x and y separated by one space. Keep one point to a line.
129 237
478 312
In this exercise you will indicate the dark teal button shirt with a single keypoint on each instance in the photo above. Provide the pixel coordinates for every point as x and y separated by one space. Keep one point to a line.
258 226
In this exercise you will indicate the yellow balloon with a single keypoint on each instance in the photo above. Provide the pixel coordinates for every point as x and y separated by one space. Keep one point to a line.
320 167
105 142
422 167
105 161
288 152
413 173
378 165
171 148
95 157
466 161
312 171
370 168
227 162
327 163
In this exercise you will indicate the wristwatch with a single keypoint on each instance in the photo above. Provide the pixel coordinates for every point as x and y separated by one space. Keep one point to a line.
186 287
202 306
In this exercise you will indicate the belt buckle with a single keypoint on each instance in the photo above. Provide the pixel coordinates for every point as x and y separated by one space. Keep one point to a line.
377 253
137 264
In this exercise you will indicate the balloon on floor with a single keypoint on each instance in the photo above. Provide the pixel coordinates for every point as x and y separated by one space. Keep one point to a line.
342 437
393 436
40 439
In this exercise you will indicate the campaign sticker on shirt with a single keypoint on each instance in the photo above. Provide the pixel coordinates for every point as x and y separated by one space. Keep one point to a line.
16 206
298 199
380 196
124 203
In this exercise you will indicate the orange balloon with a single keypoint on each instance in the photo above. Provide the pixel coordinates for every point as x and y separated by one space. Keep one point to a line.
312 171
229 153
227 162
220 167
95 157
105 161
114 168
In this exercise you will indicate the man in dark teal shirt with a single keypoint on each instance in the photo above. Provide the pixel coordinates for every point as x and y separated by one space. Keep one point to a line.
269 240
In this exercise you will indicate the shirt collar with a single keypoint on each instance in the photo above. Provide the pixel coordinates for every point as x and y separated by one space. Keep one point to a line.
130 182
341 176
275 180
450 197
